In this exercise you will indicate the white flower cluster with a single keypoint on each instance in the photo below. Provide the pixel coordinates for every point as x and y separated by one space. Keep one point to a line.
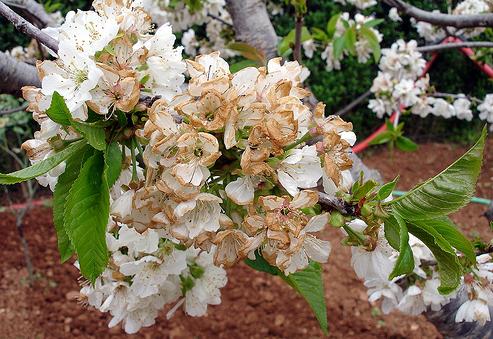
414 296
360 4
362 45
467 7
211 14
486 109
147 272
101 70
208 146
398 82
400 85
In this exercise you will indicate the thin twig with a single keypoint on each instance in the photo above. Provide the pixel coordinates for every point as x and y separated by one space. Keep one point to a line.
14 110
456 96
468 44
354 103
27 28
298 29
215 17
441 19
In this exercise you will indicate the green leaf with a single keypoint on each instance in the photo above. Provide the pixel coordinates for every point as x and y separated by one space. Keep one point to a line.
319 35
113 160
449 267
242 64
260 264
58 111
62 188
447 229
86 217
248 51
392 232
405 260
41 167
383 138
308 283
373 22
445 193
331 25
405 144
288 41
95 135
386 190
364 189
372 39
339 44
350 39
389 124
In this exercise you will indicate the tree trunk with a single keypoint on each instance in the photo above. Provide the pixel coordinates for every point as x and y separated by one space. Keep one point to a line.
252 25
16 74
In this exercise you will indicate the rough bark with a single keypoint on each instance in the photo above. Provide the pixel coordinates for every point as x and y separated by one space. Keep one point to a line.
32 11
444 320
15 74
27 28
440 19
252 25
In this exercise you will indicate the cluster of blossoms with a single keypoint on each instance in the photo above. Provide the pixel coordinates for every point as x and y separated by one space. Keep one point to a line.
417 292
225 171
247 127
362 45
401 85
102 71
209 15
147 271
433 33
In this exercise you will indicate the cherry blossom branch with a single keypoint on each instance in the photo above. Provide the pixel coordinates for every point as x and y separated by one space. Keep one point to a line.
441 19
463 44
25 27
32 11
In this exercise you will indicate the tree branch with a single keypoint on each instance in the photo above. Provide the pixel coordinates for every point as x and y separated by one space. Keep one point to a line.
215 17
464 44
297 38
32 11
27 28
16 74
353 103
252 25
13 110
440 19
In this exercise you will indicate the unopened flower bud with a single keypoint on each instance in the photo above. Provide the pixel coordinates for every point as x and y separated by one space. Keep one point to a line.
336 219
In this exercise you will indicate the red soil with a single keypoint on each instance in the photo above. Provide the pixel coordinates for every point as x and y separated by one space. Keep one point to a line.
254 305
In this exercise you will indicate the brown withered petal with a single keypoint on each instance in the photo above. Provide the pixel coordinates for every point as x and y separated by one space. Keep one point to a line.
231 247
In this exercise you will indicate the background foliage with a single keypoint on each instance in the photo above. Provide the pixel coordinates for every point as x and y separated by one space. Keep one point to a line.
453 73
